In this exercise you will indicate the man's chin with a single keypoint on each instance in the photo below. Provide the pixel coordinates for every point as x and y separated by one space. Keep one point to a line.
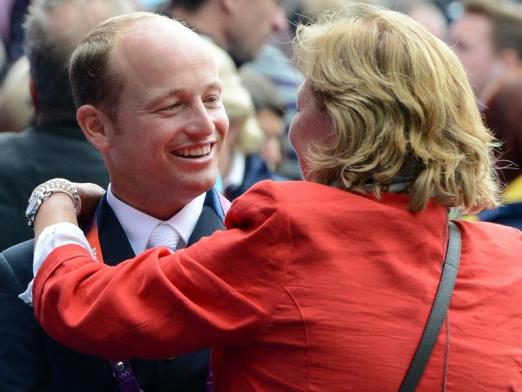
202 185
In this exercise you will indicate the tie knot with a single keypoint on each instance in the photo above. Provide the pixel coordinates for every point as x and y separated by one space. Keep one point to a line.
163 235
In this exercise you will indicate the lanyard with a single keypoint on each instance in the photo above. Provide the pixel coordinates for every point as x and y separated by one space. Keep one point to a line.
121 370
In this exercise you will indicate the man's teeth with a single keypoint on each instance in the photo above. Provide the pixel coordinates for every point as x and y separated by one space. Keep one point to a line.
194 152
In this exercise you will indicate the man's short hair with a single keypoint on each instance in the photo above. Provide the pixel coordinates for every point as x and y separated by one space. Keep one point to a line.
506 20
53 29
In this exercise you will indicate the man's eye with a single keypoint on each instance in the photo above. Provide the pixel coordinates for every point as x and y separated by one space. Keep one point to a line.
172 106
213 99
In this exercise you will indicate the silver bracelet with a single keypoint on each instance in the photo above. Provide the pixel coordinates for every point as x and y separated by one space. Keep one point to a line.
43 191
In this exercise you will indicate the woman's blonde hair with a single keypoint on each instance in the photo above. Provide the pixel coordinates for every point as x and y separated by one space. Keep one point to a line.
401 106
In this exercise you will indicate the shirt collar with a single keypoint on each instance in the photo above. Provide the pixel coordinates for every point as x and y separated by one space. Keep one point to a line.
138 226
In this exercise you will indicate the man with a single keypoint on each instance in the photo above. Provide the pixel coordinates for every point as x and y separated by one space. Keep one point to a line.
54 146
159 126
241 28
488 42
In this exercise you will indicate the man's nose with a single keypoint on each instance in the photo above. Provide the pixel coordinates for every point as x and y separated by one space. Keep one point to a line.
200 122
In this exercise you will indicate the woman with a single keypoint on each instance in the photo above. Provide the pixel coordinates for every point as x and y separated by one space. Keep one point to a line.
326 284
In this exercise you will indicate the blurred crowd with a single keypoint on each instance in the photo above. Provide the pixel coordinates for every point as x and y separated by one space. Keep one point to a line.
37 116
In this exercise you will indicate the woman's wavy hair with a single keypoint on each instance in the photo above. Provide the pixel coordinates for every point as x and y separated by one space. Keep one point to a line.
401 106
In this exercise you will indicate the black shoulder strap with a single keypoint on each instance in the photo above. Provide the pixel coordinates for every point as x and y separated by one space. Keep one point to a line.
438 311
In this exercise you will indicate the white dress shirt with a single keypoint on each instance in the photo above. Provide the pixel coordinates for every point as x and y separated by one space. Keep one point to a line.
136 225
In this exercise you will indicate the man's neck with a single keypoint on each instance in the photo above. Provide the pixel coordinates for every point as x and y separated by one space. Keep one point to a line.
138 224
153 208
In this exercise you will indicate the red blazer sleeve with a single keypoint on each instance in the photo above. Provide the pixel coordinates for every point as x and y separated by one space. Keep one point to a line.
220 291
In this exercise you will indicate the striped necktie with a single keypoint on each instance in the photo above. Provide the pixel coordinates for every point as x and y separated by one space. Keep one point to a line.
164 235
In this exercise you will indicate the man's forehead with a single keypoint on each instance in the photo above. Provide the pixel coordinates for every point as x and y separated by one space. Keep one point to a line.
167 73
155 37
478 21
473 27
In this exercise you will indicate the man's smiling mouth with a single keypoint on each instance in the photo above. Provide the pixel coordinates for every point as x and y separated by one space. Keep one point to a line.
194 152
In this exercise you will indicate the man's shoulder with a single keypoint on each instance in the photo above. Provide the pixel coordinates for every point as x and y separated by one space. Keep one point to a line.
16 266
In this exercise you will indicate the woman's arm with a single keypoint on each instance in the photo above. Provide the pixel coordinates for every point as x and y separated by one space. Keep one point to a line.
219 291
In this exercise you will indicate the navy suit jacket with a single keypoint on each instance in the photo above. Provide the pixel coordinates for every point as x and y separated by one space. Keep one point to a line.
32 361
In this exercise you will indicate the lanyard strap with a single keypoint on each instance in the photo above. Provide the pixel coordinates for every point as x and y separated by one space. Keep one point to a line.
438 311
121 370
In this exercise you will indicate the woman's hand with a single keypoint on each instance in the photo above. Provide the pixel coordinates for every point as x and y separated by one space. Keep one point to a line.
60 207
90 194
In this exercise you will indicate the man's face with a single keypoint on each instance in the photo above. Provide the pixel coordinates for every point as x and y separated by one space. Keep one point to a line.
250 26
472 39
170 121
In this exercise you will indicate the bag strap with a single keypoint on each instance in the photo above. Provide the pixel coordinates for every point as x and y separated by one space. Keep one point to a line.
438 311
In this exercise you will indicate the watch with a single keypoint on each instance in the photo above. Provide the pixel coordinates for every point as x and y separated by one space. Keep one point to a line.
43 191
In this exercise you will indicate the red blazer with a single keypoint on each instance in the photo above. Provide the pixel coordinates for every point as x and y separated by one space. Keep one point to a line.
311 288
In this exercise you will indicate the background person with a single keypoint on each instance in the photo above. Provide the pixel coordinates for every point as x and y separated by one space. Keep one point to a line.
488 40
270 114
54 146
240 165
238 33
328 282
502 116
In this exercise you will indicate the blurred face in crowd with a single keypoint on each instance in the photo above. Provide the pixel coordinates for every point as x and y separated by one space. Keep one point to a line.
472 39
273 126
170 122
310 125
250 26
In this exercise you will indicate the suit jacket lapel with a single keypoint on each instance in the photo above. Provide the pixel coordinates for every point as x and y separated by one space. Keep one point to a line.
113 241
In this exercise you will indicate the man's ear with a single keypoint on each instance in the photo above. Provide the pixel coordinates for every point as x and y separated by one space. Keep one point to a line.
229 5
96 126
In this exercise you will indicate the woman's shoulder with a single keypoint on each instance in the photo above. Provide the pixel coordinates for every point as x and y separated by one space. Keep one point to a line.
500 241
296 189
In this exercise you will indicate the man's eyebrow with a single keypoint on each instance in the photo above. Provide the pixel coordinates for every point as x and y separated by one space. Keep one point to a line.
160 98
217 85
